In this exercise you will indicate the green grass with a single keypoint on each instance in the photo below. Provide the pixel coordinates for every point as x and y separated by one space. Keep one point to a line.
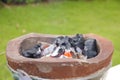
102 18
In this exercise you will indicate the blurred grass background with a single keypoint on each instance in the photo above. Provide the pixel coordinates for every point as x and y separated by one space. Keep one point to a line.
66 17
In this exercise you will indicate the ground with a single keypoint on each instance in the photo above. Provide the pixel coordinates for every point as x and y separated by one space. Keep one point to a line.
69 17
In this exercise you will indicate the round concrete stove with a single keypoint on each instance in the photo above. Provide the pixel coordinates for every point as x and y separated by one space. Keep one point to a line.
56 68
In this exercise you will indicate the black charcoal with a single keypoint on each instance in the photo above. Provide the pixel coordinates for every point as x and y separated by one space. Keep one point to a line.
63 41
78 41
90 53
58 40
90 48
90 44
34 52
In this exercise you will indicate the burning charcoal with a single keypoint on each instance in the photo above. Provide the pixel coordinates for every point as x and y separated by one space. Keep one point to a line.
78 52
65 47
78 40
58 52
34 52
90 48
73 52
68 54
55 53
49 49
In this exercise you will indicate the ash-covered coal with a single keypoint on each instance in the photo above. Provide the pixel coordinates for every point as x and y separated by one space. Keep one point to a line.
65 47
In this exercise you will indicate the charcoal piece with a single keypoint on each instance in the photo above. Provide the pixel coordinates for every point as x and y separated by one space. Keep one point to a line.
90 48
55 53
58 52
90 53
78 41
58 40
34 52
49 50
90 44
61 50
63 41
78 50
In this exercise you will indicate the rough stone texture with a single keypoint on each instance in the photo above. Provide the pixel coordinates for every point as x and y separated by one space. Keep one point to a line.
55 68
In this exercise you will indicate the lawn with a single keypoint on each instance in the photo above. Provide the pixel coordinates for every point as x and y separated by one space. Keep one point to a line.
69 17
